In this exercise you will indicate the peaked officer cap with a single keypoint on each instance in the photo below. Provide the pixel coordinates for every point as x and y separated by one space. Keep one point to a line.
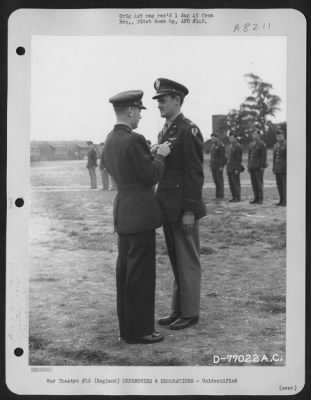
128 99
166 86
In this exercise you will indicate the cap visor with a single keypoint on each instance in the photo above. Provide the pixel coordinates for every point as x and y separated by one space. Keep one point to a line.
161 94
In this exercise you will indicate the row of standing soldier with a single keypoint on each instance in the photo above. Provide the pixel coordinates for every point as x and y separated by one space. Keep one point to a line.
218 160
256 164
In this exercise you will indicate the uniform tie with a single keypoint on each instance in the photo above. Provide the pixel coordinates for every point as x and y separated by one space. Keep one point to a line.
163 132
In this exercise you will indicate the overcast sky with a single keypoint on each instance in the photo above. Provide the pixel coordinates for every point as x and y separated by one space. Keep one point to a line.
73 77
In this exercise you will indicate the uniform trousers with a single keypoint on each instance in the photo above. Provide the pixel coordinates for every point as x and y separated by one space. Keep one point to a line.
135 276
184 253
92 173
105 178
218 178
257 183
235 185
281 185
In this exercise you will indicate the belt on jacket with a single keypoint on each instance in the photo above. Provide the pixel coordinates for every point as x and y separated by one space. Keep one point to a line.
133 187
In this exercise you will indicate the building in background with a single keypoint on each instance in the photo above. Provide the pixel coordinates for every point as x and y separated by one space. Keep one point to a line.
61 150
220 127
58 150
45 150
35 152
77 150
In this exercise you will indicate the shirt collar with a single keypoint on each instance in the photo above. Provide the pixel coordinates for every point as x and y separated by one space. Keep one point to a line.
172 119
123 127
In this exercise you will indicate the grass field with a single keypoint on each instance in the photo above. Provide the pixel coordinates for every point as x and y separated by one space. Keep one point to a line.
72 279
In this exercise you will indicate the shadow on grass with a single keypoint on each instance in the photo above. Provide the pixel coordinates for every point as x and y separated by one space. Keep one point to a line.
37 343
43 354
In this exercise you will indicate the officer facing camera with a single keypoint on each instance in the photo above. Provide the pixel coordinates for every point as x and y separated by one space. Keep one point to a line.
180 195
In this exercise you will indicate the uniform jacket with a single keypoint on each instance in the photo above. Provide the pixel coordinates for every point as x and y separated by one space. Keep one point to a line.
279 158
257 155
91 159
128 159
180 188
218 155
234 157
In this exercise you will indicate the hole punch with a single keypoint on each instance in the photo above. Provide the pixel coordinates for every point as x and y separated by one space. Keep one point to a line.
19 202
20 51
18 352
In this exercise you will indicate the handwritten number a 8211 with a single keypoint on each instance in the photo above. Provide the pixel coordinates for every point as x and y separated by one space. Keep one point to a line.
248 27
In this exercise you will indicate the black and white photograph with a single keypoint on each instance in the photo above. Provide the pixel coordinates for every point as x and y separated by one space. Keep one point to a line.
162 151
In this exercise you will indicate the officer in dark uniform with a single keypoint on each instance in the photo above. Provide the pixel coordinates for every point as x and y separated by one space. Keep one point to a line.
279 166
92 164
137 213
257 162
234 167
104 174
103 171
180 195
217 163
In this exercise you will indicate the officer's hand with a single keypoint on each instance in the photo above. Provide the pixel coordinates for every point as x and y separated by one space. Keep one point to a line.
187 222
220 169
164 149
154 148
236 171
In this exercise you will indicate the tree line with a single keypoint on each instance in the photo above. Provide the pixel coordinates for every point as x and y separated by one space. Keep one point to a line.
256 110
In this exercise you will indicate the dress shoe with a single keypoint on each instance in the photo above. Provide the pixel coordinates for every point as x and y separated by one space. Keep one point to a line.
182 323
155 337
253 202
231 200
165 321
278 204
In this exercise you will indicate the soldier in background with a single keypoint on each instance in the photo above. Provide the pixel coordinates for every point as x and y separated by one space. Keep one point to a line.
92 164
180 195
103 171
113 185
234 167
257 162
279 166
217 163
137 213
106 178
